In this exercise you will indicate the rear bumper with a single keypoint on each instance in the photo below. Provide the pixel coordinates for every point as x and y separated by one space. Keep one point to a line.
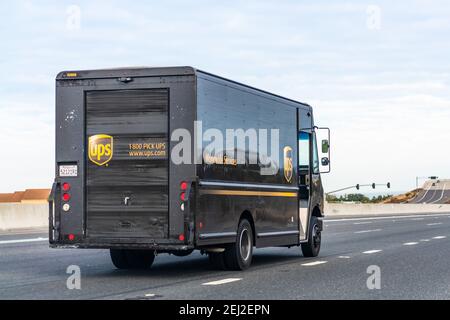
159 246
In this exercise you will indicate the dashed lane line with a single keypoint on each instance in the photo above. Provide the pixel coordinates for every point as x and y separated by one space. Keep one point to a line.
410 243
440 237
434 224
372 251
223 281
315 263
367 231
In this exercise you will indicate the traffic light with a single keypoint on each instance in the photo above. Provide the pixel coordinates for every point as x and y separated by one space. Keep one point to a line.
357 186
389 185
373 185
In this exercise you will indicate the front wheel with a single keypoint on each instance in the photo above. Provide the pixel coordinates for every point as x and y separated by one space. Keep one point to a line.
312 247
238 256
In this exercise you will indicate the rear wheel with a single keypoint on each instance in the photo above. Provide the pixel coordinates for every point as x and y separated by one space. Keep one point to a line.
238 256
312 247
119 259
217 260
182 253
132 259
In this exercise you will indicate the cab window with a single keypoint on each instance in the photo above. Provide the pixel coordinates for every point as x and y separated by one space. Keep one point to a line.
303 151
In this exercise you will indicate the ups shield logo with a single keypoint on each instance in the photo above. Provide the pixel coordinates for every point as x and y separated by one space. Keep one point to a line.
288 165
100 149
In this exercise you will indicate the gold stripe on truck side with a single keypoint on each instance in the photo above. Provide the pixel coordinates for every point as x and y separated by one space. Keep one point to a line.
250 193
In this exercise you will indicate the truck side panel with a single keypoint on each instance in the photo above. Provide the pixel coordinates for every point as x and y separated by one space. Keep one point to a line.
227 191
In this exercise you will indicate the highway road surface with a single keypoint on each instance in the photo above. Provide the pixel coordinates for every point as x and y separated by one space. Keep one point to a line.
412 253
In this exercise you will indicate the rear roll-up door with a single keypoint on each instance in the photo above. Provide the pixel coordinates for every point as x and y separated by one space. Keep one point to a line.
127 163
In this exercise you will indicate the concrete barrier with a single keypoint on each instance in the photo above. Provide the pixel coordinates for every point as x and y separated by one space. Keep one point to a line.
22 215
363 209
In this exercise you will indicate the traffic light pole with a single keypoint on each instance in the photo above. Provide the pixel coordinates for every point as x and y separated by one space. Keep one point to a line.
373 185
346 188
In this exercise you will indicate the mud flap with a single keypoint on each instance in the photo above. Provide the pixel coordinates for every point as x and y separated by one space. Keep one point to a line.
53 222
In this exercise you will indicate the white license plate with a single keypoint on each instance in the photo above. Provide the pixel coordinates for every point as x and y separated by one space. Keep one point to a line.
68 171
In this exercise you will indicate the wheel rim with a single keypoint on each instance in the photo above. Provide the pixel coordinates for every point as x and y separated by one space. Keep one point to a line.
316 236
245 244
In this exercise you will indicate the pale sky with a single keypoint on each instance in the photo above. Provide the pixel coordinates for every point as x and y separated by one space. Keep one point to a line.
377 73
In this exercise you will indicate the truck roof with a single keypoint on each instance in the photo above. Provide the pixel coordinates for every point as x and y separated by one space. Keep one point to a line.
152 72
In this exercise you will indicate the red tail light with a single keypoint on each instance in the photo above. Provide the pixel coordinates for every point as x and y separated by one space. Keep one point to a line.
66 197
66 186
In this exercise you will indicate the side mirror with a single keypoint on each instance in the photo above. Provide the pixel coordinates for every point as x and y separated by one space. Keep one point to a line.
325 146
322 136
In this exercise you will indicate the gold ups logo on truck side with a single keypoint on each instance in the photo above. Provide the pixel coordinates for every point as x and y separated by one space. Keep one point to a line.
100 149
288 165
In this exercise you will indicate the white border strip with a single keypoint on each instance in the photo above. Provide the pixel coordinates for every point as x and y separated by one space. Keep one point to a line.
387 217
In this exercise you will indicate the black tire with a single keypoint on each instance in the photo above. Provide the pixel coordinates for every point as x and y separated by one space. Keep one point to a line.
238 256
312 247
132 259
140 259
182 253
217 260
119 258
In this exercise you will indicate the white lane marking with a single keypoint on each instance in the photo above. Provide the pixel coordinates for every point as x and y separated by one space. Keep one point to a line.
23 240
367 222
424 240
367 231
426 192
410 243
417 219
372 251
223 281
440 237
434 224
344 257
442 195
415 196
391 217
315 263
150 295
